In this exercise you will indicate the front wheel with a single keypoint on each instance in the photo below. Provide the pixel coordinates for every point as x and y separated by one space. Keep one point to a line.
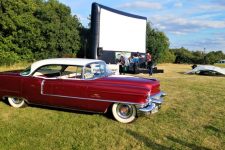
16 102
124 113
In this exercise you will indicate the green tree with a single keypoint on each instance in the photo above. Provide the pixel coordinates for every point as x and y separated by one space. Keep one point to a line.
183 55
198 57
214 56
37 29
59 30
157 44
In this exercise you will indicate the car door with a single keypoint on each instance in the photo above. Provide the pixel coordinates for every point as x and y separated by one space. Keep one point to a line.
31 89
32 85
69 93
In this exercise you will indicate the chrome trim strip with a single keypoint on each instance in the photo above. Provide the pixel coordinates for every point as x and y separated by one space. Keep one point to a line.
42 87
3 90
92 99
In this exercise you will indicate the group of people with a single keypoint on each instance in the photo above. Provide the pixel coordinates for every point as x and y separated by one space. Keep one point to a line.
134 61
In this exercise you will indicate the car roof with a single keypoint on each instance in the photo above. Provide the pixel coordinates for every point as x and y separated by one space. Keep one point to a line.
63 61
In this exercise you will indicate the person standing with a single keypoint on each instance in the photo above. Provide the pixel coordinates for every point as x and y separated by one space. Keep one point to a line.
126 64
135 63
149 63
122 65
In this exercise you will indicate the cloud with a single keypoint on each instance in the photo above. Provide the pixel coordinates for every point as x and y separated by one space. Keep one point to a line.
180 25
220 2
212 7
178 5
142 5
178 32
215 43
208 15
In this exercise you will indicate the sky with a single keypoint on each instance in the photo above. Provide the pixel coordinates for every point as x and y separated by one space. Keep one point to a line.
192 24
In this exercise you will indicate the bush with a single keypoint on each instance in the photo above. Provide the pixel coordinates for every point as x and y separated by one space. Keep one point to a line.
8 58
197 57
213 57
167 57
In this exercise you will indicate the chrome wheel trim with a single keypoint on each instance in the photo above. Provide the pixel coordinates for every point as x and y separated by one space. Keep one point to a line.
17 100
125 111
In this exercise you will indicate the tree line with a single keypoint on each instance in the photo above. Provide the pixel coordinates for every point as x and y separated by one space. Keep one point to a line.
38 29
158 46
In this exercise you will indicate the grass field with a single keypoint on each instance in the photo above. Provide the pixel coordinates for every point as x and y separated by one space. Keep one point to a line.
219 65
192 117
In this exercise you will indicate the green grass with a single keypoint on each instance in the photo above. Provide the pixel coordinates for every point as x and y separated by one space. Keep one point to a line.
18 66
219 65
192 117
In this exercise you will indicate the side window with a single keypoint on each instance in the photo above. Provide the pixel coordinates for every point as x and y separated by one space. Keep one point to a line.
72 72
94 70
88 73
49 71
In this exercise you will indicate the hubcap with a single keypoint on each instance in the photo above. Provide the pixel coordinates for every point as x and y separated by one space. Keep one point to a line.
124 110
17 100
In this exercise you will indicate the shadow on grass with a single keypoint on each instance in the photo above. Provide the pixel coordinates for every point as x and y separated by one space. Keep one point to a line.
214 129
182 73
184 143
147 141
108 115
203 74
5 101
61 109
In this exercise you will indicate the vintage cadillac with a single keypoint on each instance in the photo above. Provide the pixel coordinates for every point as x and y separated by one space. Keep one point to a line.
81 84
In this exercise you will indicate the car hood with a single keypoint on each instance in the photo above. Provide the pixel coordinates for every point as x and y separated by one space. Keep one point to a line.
152 85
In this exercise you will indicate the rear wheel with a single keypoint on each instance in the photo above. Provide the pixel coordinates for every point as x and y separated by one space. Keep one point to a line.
16 102
124 113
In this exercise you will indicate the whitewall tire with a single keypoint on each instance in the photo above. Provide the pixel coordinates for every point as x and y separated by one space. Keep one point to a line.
16 102
124 113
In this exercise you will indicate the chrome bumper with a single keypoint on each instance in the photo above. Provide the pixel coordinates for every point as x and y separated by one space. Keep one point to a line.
154 104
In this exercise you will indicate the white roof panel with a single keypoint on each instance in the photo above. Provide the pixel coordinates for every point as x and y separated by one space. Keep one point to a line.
63 61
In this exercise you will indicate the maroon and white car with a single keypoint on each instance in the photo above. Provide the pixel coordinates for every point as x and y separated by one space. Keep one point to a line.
81 84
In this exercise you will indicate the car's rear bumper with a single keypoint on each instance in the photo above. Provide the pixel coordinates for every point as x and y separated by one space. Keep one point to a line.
154 104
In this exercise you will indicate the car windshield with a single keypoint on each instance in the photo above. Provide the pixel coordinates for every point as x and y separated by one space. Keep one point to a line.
26 71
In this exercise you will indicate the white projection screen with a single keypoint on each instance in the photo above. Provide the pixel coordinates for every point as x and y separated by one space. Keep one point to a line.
115 31
120 32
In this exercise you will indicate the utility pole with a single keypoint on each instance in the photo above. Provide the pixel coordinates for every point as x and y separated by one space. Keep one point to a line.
204 55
